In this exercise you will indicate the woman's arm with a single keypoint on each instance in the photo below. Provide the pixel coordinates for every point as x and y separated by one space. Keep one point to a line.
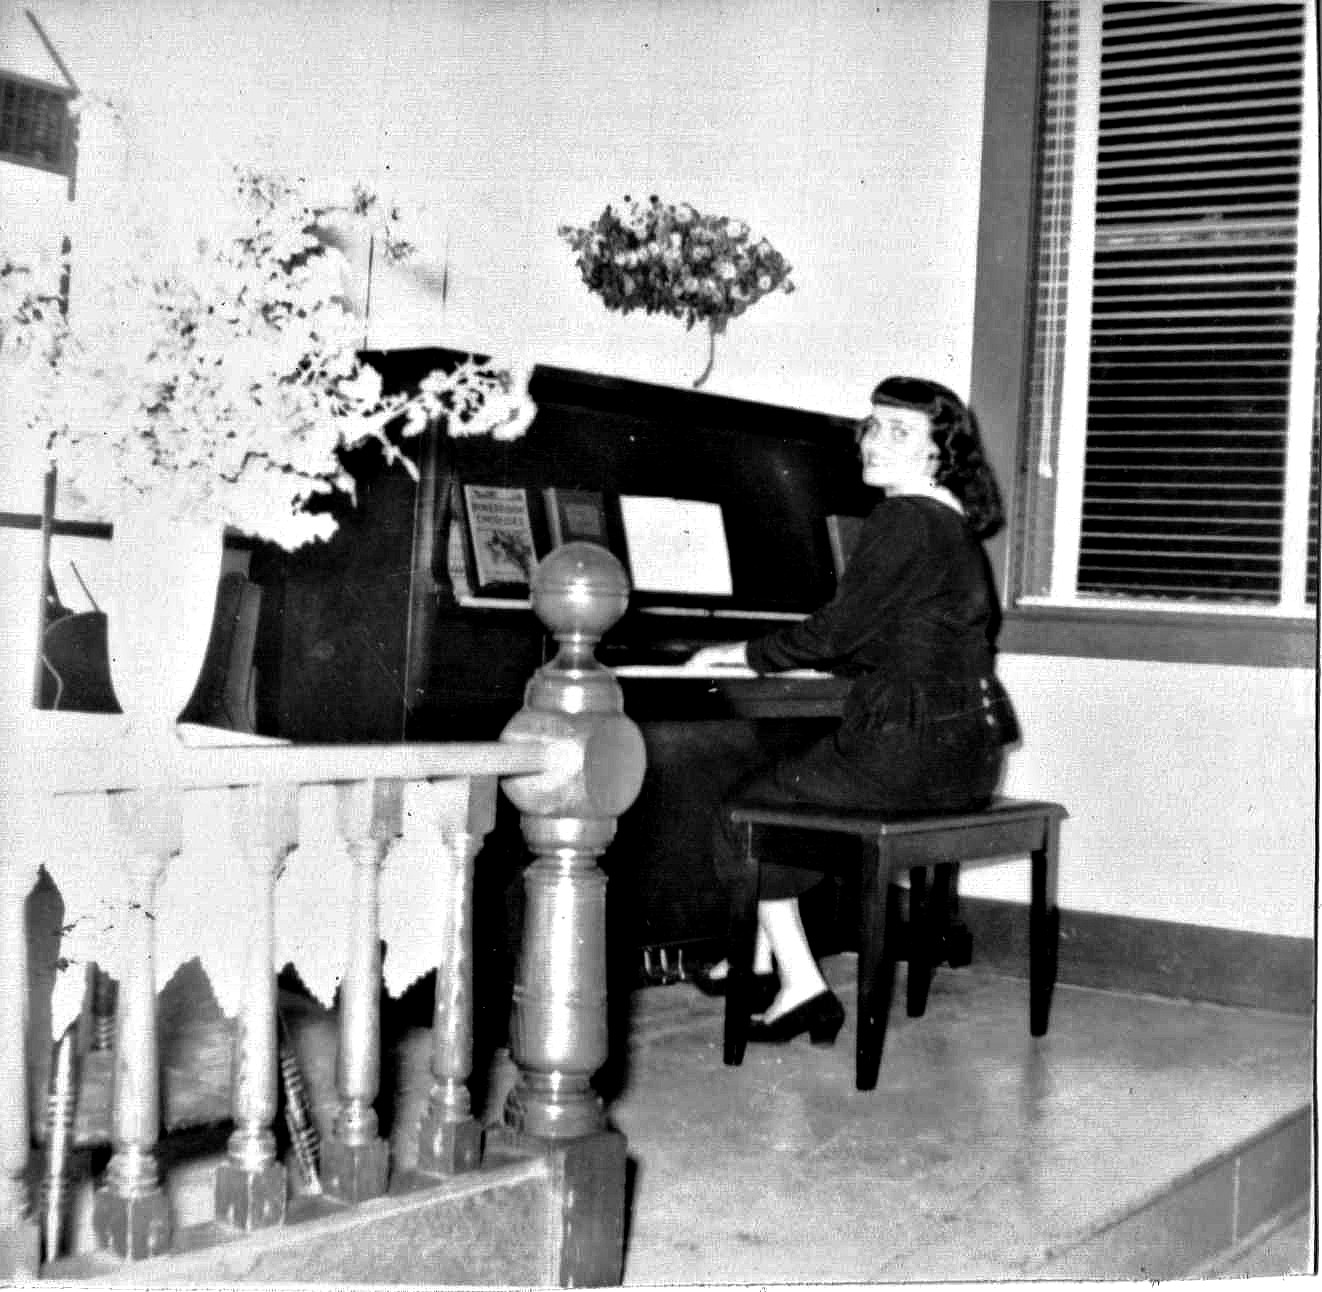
880 576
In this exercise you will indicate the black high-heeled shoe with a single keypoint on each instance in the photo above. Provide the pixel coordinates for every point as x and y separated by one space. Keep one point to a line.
821 1016
762 988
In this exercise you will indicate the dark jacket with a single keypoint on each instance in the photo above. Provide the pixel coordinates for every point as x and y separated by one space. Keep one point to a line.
911 621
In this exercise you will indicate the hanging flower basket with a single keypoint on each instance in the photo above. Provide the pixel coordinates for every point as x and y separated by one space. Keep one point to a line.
671 259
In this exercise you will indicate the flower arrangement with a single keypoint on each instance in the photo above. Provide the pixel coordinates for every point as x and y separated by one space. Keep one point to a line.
671 259
209 357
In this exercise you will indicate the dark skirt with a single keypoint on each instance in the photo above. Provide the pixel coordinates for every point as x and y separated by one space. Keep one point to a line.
949 763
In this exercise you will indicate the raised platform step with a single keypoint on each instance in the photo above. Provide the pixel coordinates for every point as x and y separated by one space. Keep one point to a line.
522 1219
1140 1138
1205 1215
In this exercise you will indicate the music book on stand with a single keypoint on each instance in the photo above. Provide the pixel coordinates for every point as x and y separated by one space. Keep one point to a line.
575 516
500 536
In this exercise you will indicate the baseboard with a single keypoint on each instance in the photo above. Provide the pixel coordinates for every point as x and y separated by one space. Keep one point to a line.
1124 953
1111 952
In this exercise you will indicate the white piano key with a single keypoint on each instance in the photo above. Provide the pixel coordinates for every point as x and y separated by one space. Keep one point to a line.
719 671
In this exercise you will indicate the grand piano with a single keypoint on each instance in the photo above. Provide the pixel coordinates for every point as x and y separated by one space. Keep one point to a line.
388 632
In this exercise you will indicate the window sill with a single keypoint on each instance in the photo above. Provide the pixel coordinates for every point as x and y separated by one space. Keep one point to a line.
1178 637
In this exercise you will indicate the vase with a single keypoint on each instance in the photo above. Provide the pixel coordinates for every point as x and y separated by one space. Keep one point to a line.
160 604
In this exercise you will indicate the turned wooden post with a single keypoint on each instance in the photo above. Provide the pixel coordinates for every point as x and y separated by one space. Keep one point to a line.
559 1034
131 1214
250 1185
455 816
355 1160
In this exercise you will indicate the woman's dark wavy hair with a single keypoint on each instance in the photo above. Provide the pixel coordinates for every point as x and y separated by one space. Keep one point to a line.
961 465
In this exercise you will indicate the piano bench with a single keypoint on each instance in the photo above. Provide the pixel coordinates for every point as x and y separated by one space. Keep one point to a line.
1006 830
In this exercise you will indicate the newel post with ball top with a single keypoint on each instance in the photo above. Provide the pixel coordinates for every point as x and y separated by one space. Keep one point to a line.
559 1026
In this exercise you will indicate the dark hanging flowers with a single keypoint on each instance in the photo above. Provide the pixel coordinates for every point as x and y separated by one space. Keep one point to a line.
671 259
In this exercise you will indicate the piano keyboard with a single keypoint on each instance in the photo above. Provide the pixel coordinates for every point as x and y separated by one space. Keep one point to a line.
714 671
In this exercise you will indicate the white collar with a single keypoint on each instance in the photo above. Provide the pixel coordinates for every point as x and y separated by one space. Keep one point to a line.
938 493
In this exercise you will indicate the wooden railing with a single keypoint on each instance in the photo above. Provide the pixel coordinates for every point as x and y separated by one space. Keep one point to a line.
569 760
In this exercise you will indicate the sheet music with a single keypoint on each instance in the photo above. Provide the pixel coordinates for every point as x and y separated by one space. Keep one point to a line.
676 545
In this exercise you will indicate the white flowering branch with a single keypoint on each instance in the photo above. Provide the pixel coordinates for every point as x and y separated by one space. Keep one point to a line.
219 372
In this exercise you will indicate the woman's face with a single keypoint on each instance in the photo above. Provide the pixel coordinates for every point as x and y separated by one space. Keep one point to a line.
897 449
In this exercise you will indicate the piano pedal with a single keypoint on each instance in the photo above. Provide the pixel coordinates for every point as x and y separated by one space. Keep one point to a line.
668 974
661 966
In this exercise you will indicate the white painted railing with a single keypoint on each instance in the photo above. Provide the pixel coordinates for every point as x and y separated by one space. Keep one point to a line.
160 844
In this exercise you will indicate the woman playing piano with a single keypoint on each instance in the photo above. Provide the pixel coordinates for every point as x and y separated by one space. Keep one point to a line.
925 720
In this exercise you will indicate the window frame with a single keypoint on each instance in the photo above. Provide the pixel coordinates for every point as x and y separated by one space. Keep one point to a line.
1002 339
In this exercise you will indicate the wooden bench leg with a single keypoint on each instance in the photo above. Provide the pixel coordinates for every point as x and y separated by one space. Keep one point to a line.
929 927
876 962
742 944
945 929
918 978
1043 934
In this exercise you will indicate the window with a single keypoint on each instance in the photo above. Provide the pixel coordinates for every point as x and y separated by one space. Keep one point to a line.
1170 455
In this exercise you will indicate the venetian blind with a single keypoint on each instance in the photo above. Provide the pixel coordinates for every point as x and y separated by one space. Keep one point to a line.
1184 411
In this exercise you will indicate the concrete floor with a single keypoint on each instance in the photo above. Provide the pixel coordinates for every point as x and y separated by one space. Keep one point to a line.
1111 1148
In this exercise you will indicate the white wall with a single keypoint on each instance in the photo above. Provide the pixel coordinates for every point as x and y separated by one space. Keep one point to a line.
846 132
1191 789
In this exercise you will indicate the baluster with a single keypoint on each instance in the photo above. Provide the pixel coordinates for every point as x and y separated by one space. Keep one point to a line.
559 1036
19 1232
250 1185
131 1213
455 815
355 1159
61 1107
